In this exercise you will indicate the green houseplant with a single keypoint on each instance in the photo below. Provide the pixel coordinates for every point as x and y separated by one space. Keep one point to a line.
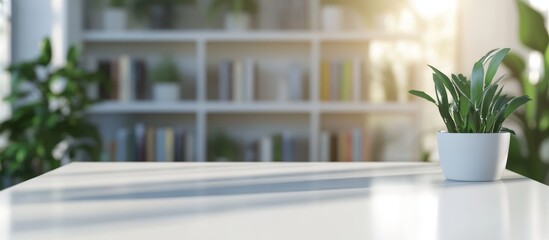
473 111
166 79
238 14
159 13
222 148
533 122
47 123
114 16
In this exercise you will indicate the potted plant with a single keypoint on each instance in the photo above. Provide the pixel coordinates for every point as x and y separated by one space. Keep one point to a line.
239 13
114 17
166 79
222 147
476 145
48 122
160 13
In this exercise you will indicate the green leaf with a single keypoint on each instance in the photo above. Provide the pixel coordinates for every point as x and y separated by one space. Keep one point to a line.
446 82
515 64
422 95
477 78
485 57
532 29
494 65
45 52
504 129
516 103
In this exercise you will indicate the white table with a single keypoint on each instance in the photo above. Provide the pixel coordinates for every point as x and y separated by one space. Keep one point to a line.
270 201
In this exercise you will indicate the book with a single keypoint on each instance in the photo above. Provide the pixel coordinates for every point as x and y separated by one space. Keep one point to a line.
325 77
346 81
357 145
189 147
224 81
169 144
277 148
121 145
266 149
140 83
238 81
106 69
295 83
179 147
288 145
249 83
124 79
150 144
140 134
160 145
357 79
131 146
334 155
341 144
335 81
324 146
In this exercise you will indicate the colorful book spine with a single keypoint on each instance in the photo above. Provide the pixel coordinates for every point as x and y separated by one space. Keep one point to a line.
224 84
335 81
189 148
169 144
357 79
140 138
346 81
160 143
325 78
325 147
121 145
250 78
238 81
124 78
266 149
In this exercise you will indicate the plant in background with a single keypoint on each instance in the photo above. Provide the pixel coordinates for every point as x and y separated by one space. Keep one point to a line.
166 80
236 6
222 147
527 159
117 3
47 118
475 106
166 71
160 13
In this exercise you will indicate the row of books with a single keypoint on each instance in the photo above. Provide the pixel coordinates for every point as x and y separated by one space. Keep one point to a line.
344 146
149 143
237 81
341 80
283 147
128 79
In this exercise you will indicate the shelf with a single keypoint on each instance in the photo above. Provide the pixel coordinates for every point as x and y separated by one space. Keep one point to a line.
113 107
266 107
326 107
250 36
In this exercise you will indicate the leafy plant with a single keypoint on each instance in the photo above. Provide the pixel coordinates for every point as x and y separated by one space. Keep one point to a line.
44 117
141 7
222 146
166 71
237 6
117 3
534 121
475 106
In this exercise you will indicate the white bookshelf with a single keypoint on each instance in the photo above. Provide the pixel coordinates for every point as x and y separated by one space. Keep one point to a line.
199 46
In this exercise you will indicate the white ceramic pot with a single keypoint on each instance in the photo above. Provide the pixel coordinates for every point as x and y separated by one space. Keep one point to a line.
473 156
333 18
114 19
238 21
166 92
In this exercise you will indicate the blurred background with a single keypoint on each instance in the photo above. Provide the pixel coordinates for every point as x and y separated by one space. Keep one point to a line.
241 80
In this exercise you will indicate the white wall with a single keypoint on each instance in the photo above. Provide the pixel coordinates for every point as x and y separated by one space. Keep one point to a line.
484 25
31 22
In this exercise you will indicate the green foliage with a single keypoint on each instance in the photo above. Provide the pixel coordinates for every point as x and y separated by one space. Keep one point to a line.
222 146
166 71
247 6
117 3
534 121
141 7
44 116
475 106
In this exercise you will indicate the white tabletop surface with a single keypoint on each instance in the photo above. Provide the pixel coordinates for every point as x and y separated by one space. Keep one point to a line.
270 201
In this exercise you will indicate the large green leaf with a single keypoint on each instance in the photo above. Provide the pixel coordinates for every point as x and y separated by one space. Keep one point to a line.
494 65
422 95
446 82
515 64
532 29
477 80
516 103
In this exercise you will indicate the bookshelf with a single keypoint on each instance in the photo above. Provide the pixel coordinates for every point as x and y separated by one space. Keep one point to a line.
198 52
